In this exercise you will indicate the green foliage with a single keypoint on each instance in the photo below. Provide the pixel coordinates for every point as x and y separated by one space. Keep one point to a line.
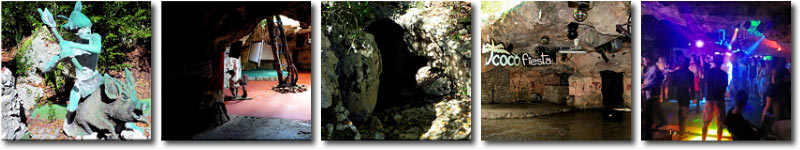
23 64
123 25
120 66
56 77
419 4
354 16
51 112
59 77
465 92
350 15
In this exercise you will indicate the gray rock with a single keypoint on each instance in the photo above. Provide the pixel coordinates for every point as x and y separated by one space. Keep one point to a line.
378 136
7 81
42 49
453 121
433 82
27 96
439 87
430 33
330 83
13 126
360 67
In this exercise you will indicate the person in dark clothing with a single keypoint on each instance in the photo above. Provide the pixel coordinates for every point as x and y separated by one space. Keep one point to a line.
651 94
778 93
739 127
716 84
696 68
682 84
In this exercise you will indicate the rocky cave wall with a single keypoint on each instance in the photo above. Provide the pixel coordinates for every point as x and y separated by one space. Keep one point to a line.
352 63
523 28
196 36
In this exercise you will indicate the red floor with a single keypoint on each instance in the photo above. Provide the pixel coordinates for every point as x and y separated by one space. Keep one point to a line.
270 104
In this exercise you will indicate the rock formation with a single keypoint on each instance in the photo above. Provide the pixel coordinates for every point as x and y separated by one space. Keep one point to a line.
572 79
419 66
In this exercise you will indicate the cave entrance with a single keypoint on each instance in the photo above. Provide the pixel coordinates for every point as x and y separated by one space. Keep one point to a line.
397 80
612 89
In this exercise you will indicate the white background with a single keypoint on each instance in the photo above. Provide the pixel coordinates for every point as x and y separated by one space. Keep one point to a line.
475 143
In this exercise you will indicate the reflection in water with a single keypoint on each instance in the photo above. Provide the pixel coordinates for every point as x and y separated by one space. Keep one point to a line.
579 125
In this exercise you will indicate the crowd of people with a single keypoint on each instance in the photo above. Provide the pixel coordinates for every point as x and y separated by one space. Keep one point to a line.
705 79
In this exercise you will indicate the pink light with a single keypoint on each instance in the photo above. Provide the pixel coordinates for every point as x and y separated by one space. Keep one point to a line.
699 43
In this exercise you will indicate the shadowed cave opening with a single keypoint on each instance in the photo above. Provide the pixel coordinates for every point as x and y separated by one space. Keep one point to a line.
397 81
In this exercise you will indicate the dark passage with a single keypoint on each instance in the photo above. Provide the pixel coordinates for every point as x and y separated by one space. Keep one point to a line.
397 81
612 89
612 95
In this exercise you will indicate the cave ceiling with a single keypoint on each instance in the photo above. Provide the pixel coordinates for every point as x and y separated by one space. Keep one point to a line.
704 18
209 26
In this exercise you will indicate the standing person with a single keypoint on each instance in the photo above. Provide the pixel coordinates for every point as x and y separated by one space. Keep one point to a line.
651 94
715 82
739 72
763 82
682 84
663 67
697 71
778 93
752 73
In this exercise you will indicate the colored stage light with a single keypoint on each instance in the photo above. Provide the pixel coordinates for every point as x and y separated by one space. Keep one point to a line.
699 43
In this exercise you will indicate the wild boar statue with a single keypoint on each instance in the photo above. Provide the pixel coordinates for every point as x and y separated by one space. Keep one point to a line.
109 110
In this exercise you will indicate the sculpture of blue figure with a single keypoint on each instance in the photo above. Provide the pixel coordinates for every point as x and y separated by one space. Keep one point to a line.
83 53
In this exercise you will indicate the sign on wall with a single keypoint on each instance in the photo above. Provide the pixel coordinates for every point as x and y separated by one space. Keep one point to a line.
500 55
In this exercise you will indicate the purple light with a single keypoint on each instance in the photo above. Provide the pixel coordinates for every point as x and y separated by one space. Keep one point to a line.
699 43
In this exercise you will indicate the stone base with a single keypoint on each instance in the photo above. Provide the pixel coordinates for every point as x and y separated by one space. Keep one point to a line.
290 89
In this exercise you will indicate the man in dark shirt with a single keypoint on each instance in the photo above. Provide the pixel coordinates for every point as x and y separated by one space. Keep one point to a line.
651 93
683 85
716 83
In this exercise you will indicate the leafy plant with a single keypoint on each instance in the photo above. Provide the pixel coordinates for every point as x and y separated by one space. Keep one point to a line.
56 77
51 113
23 64
356 15
122 25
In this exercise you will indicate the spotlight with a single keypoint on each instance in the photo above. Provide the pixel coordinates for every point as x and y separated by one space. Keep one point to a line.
581 10
572 30
699 43
580 15
545 40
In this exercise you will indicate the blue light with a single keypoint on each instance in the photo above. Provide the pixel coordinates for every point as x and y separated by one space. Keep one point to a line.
753 47
730 71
